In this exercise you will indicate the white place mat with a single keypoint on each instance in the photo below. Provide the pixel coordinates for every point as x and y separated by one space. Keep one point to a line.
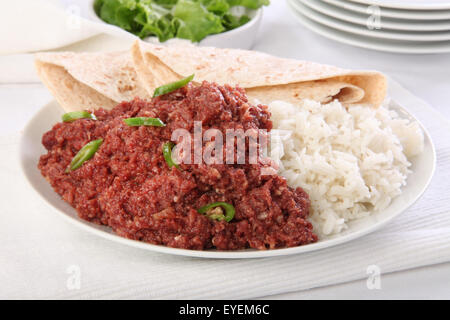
42 256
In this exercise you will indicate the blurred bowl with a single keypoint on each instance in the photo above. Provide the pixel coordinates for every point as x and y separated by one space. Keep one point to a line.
240 38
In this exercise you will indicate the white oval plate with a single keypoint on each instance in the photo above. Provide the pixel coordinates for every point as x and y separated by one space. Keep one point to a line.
409 47
391 12
31 149
409 4
364 31
385 23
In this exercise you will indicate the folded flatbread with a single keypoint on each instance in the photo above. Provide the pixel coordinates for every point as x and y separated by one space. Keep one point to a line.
265 77
88 81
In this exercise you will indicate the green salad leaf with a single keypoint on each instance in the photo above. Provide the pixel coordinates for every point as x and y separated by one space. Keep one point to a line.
166 19
232 22
194 21
155 19
218 7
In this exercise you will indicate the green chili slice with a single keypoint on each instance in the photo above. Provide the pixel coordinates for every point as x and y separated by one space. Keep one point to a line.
85 153
167 88
75 115
143 121
229 211
167 152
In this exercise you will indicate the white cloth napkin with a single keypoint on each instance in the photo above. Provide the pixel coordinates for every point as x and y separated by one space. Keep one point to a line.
42 256
29 26
38 25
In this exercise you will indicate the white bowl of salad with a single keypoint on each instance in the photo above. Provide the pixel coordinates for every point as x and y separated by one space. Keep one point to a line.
217 23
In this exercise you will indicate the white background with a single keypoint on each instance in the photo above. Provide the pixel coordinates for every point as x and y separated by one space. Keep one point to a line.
427 76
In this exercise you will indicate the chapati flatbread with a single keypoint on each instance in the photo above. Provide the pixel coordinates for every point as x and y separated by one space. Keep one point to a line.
81 81
264 77
88 81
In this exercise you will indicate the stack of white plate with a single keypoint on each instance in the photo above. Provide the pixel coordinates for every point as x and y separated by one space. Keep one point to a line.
403 26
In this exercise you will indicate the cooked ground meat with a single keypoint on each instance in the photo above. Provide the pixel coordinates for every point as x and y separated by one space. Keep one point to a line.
128 185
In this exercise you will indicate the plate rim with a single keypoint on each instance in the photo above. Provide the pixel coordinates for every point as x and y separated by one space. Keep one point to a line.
360 19
399 5
341 25
343 38
389 13
237 254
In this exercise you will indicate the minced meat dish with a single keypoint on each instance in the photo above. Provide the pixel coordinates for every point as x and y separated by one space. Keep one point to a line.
129 186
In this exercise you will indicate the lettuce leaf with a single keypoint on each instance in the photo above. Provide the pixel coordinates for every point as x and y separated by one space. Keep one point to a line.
231 22
218 7
166 19
155 19
194 21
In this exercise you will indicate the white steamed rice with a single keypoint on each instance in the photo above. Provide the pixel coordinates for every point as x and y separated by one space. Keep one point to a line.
352 162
